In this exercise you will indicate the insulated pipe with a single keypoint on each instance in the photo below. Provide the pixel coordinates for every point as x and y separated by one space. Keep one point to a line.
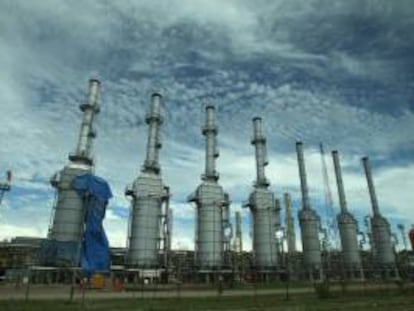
210 132
90 109
302 175
339 181
154 120
259 141
371 187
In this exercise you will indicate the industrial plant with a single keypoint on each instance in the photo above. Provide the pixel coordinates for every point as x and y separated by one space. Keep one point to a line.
76 245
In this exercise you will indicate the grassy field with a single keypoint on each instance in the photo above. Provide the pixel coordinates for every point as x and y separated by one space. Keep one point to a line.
378 300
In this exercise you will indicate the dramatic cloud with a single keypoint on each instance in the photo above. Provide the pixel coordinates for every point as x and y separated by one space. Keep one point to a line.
340 72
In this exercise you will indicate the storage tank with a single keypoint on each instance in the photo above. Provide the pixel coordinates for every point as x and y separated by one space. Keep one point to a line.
147 194
309 222
380 228
68 215
212 205
262 207
348 227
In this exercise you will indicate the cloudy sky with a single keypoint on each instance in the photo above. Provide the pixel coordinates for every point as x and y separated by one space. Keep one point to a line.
340 72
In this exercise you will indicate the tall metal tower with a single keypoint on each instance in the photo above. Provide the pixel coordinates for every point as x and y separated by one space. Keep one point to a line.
290 226
5 186
148 195
263 208
401 228
331 227
309 224
238 240
212 205
380 229
348 228
68 215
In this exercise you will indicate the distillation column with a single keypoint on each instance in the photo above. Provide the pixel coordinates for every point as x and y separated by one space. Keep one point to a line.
212 205
348 228
148 194
309 224
263 208
68 217
380 229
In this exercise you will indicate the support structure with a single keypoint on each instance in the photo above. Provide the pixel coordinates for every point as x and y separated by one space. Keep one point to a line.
348 229
212 205
263 209
148 194
382 246
309 225
67 223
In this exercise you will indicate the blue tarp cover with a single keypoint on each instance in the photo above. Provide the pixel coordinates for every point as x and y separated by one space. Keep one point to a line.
95 253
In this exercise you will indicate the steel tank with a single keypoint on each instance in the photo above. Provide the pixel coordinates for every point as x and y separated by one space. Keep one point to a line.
68 215
309 222
212 204
380 228
262 206
348 226
147 194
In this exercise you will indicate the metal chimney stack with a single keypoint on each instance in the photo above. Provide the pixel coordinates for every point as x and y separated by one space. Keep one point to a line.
259 141
210 133
309 224
212 205
290 226
154 121
90 110
148 194
371 188
68 213
348 228
262 206
380 231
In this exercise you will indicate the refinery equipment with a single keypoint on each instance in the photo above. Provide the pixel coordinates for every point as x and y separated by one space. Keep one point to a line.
382 245
290 226
331 228
68 214
348 228
401 228
263 209
213 230
149 201
309 225
238 240
5 186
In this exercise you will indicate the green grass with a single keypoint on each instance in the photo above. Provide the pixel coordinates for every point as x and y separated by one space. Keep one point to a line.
376 300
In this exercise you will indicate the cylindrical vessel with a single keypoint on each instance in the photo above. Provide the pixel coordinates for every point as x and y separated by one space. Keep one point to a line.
309 225
381 233
68 219
347 224
348 230
145 232
209 229
264 230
